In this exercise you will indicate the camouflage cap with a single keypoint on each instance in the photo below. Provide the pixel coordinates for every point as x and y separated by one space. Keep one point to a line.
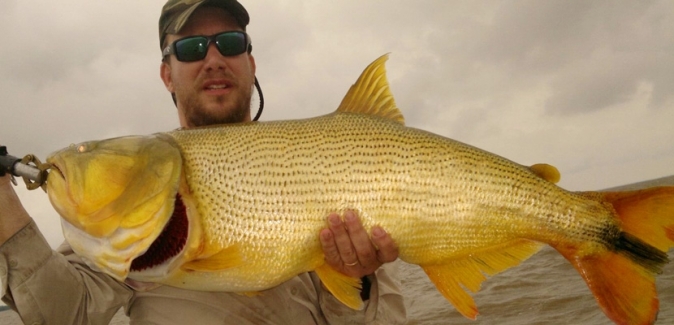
175 14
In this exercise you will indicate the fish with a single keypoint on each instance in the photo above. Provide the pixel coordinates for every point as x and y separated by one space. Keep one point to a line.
239 207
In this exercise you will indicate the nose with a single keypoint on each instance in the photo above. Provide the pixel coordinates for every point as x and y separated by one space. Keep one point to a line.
213 59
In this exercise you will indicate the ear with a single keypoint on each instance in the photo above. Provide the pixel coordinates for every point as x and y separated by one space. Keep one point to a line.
165 74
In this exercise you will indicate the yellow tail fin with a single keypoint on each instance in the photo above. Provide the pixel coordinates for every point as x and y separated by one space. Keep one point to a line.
647 214
622 278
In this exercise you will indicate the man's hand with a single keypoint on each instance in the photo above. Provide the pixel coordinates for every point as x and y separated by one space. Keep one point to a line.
348 248
13 216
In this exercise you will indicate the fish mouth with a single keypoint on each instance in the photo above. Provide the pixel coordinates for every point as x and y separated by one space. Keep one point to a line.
170 241
54 168
56 165
57 183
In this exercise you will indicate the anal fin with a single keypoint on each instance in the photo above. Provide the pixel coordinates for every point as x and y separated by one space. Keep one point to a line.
452 278
345 288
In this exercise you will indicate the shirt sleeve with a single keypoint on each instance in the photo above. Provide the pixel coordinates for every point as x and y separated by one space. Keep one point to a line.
48 287
385 306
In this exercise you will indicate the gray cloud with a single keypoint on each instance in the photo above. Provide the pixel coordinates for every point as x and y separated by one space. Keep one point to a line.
586 86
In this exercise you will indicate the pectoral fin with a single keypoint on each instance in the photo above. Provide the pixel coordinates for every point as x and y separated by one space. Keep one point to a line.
469 272
345 288
228 257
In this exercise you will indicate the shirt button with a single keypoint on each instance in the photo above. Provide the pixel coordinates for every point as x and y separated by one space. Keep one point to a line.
13 263
293 291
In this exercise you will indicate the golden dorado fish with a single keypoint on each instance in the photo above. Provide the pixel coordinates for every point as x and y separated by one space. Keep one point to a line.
239 207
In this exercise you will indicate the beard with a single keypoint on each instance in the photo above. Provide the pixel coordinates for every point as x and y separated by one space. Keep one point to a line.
197 114
200 117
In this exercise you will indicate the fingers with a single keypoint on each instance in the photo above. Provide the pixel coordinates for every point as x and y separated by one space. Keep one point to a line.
388 250
348 248
343 241
330 249
365 251
337 247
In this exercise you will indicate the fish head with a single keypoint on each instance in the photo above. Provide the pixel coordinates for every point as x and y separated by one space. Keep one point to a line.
114 197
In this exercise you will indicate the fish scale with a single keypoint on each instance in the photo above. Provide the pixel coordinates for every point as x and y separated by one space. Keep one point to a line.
300 171
256 196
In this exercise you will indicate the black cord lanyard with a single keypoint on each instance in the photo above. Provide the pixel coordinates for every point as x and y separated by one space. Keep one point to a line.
259 92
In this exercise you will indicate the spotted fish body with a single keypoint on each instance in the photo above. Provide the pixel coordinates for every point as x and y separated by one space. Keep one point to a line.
276 197
257 195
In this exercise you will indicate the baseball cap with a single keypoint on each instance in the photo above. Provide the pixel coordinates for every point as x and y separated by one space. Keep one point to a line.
176 13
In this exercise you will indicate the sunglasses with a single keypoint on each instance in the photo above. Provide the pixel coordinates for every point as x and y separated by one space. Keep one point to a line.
195 48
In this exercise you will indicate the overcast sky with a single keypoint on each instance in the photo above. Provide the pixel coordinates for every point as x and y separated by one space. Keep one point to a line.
587 86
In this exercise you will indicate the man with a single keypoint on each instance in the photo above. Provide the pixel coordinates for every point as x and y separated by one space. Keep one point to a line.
211 83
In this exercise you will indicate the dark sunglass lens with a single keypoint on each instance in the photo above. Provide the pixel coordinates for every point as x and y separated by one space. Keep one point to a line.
191 49
231 43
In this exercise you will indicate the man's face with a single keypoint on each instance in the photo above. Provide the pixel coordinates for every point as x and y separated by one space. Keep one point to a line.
214 90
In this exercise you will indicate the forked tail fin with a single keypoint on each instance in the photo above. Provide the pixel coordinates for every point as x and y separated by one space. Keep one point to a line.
622 278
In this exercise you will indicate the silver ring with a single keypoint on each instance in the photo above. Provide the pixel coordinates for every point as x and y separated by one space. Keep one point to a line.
351 264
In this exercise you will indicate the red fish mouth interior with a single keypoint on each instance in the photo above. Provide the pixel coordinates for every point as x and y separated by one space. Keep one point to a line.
170 242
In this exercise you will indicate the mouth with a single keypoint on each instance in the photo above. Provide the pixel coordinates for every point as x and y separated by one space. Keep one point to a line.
55 168
217 86
211 87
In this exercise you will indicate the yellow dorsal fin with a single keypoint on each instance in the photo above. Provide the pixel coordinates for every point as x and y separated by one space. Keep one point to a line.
345 288
371 94
469 272
546 172
228 257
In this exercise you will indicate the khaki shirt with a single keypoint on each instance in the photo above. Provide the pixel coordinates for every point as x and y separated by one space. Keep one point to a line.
49 287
